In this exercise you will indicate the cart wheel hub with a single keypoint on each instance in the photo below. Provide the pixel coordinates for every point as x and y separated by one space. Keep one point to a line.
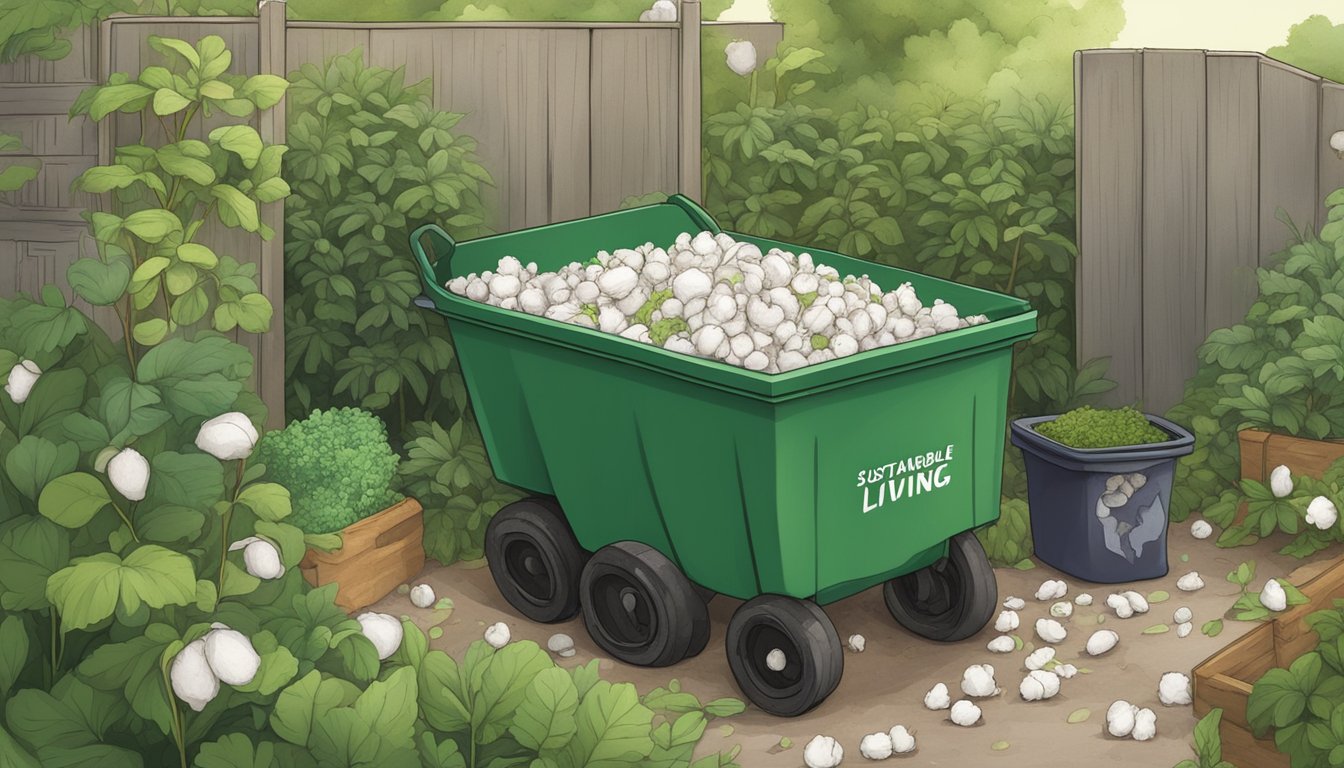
776 661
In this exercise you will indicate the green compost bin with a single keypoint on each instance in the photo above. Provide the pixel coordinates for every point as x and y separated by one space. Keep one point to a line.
751 483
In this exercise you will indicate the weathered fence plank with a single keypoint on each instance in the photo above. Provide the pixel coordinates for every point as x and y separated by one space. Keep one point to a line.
1228 140
1173 216
1109 88
1233 189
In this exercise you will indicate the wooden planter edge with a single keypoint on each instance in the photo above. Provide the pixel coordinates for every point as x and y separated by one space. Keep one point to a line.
376 529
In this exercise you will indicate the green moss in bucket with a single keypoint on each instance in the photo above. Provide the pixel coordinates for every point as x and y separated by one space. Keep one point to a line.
1089 427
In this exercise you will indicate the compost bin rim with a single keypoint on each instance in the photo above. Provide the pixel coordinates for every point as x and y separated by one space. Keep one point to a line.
1025 435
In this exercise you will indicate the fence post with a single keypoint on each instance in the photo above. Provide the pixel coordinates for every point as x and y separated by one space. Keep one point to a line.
688 150
271 274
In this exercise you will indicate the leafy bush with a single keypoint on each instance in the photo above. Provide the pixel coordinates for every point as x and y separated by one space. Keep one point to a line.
1089 427
1208 743
371 157
1279 369
15 173
337 466
1268 513
1303 702
42 29
1008 542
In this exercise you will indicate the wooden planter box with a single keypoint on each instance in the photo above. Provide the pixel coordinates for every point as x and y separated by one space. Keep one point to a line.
1225 679
1261 452
377 554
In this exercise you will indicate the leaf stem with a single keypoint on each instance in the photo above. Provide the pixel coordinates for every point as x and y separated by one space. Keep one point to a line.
177 716
225 519
127 520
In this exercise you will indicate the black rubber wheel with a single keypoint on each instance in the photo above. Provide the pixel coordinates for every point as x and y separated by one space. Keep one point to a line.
700 637
535 560
639 607
812 657
950 600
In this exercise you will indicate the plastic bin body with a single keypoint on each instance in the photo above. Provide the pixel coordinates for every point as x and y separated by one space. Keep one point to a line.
750 482
1072 528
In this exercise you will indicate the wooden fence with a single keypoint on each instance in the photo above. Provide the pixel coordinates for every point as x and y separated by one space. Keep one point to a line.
1186 160
570 118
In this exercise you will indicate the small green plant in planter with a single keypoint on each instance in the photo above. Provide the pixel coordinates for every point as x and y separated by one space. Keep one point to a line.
339 468
1089 427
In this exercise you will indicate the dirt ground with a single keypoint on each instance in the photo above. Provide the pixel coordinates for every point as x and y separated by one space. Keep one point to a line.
885 685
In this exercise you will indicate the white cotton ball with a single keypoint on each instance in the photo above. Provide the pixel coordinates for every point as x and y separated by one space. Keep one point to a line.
1051 589
741 57
1173 689
1184 629
1062 609
857 643
741 345
532 301
1322 513
804 283
903 328
231 656
637 332
776 271
1190 582
707 338
679 344
978 681
902 742
1065 671
1122 607
1040 657
1007 621
129 473
458 285
384 631
790 361
1182 615
1014 603
704 244
1051 631
1145 725
764 316
587 292
823 752
478 290
721 308
1102 641
561 645
1039 685
227 437
262 560
510 303
1083 600
1273 597
193 680
1120 718
619 282
1281 481
876 746
1002 644
611 320
1201 529
691 284
422 596
505 286
937 697
497 635
965 713
844 345
1136 601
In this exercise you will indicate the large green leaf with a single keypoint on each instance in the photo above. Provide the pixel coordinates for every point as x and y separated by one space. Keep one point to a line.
268 501
152 224
444 700
97 282
131 668
129 408
200 377
545 719
613 729
15 755
235 208
91 588
501 683
31 550
72 500
302 703
36 461
112 98
13 652
389 707
193 480
236 750
241 140
263 90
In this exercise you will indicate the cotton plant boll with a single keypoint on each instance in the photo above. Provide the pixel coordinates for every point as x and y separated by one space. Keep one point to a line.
776 660
561 645
1083 600
1120 718
129 473
1281 481
1201 529
1184 630
1051 631
876 746
1145 725
193 680
231 656
1273 597
1040 657
857 643
662 11
937 698
1173 689
978 681
902 741
1007 621
497 635
1322 513
1136 601
1014 603
1101 642
422 596
1002 644
1122 607
384 631
823 752
1065 671
741 57
227 437
1190 582
1039 685
262 560
965 713
1062 609
1182 615
1051 589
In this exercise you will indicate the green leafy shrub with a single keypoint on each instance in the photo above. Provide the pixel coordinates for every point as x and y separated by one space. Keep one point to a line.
1008 542
1089 427
1268 513
15 173
1208 743
1278 370
1304 703
371 157
42 29
337 466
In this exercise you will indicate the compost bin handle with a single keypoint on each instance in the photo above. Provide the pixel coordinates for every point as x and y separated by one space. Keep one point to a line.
441 246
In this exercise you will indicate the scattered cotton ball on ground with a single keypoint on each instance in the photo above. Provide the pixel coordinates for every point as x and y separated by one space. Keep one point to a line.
857 643
1201 529
876 746
422 595
1002 644
497 635
1040 657
1007 621
1051 631
978 681
1014 603
823 752
937 697
1083 600
964 713
1102 641
902 741
561 645
1190 582
1173 689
